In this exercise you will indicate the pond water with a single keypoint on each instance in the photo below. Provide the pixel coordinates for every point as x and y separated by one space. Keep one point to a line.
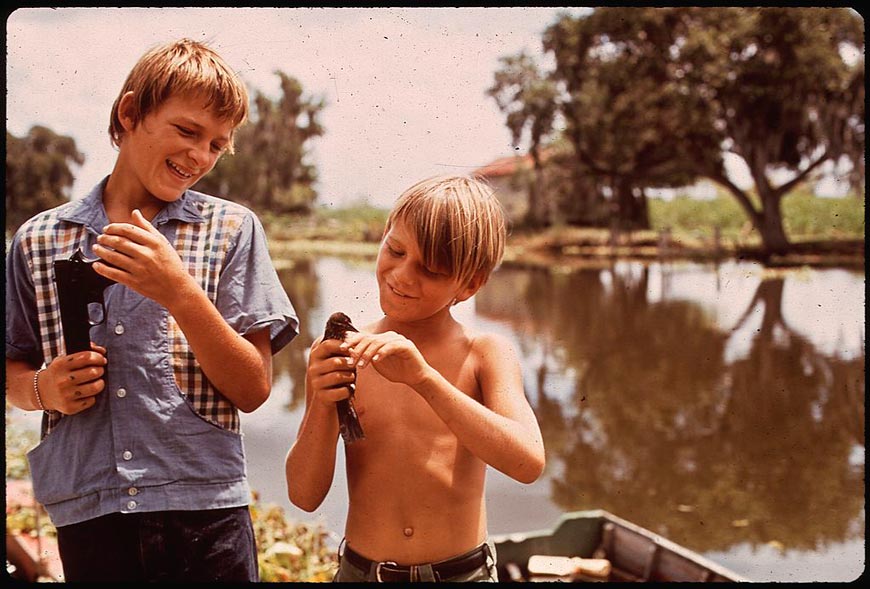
721 406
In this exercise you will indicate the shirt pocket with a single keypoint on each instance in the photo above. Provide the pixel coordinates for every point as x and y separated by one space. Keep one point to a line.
64 466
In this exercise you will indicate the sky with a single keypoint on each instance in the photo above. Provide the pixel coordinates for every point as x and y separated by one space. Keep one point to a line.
404 87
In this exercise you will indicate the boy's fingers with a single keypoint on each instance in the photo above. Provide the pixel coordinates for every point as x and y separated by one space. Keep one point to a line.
341 362
138 230
98 348
116 248
336 394
328 348
134 233
366 354
353 337
82 359
142 222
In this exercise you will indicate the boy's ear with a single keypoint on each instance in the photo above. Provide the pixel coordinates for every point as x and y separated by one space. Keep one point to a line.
126 111
471 288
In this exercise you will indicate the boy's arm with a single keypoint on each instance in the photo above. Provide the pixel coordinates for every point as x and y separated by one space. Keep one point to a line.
310 464
240 367
502 430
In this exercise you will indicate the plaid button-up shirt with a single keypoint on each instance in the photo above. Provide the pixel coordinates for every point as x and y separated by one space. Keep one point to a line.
160 436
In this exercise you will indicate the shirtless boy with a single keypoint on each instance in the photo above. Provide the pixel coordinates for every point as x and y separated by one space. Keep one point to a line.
437 402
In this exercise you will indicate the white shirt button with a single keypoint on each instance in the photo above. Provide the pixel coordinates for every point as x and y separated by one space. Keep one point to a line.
127 455
121 393
119 329
131 505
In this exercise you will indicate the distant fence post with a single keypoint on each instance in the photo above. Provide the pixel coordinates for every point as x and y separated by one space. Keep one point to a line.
665 242
717 241
614 234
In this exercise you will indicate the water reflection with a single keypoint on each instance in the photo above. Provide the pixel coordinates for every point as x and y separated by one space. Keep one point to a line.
707 417
300 282
659 427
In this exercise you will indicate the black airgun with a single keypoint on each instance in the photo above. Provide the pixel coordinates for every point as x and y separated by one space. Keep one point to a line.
78 287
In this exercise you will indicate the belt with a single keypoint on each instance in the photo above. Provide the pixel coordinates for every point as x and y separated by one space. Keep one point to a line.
445 569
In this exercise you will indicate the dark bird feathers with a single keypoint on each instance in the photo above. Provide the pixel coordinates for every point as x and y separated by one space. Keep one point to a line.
337 326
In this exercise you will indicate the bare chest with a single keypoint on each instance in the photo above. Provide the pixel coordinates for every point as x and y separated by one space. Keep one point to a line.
395 410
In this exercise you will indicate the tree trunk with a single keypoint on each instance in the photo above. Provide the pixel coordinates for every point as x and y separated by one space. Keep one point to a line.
631 205
535 216
587 210
768 220
770 226
641 211
538 210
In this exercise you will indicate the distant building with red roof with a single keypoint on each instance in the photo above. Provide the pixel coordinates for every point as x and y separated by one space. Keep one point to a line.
512 192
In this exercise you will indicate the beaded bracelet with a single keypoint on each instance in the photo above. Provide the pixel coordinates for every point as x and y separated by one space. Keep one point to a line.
36 389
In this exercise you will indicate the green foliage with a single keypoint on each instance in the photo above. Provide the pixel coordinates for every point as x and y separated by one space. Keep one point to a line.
269 171
688 214
653 95
631 123
289 552
356 223
362 214
38 174
19 441
804 214
529 102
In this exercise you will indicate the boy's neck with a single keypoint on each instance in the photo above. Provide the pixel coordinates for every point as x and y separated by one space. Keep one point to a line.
120 201
433 327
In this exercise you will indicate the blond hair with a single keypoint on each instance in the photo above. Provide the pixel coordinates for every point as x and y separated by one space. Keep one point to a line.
458 222
183 67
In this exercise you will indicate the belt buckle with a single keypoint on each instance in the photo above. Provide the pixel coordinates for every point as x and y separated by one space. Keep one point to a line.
378 569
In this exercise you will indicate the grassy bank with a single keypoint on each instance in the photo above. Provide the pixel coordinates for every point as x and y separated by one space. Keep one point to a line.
806 217
824 231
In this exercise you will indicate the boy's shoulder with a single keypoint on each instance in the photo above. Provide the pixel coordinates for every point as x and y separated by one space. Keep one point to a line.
48 220
229 215
486 341
217 205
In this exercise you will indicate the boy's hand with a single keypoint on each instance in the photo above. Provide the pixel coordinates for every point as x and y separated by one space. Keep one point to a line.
144 260
330 371
70 384
394 356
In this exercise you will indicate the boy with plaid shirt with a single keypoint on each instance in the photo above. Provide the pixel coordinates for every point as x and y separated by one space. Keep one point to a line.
141 464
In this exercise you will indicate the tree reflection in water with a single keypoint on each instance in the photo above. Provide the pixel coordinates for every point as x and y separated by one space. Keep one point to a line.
664 429
301 284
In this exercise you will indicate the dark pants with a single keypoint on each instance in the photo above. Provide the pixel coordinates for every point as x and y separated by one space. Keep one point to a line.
208 545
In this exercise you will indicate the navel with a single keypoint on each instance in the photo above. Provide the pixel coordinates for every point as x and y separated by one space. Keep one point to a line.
408 532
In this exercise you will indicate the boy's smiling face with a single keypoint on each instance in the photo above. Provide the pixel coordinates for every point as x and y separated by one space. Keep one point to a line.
409 291
172 147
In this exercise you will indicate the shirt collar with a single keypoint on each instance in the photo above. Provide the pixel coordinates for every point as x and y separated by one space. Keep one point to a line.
91 212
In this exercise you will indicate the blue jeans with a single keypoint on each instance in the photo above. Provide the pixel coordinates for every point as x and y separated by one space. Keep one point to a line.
207 545
349 573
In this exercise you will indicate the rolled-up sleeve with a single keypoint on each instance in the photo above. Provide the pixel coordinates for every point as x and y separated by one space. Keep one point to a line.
250 295
22 321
